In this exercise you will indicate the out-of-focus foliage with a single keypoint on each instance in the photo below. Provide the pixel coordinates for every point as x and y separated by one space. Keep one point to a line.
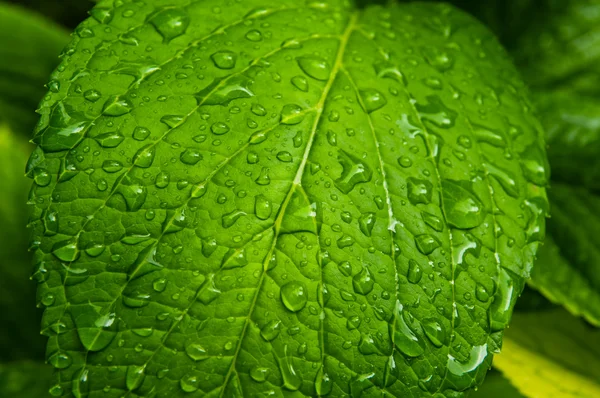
29 49
18 316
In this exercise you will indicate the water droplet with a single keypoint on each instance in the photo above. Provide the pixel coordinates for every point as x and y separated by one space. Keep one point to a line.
170 23
263 178
505 178
437 113
284 156
404 161
109 140
463 374
135 377
403 337
145 156
315 67
112 166
259 374
189 383
196 352
231 218
291 381
481 293
92 95
414 272
134 193
219 128
433 221
219 93
366 345
191 156
363 282
434 331
140 133
535 165
66 250
159 285
462 207
294 295
419 191
162 180
116 106
366 222
372 99
173 121
509 287
389 71
300 83
60 360
345 241
291 114
254 35
426 243
323 384
224 59
354 172
488 135
262 207
271 330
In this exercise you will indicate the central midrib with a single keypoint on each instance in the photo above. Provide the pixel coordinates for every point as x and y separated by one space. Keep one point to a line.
296 183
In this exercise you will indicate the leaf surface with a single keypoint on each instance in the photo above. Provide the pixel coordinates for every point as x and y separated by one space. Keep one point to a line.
30 48
551 354
284 199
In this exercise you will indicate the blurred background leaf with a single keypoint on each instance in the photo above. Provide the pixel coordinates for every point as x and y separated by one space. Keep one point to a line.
28 54
24 379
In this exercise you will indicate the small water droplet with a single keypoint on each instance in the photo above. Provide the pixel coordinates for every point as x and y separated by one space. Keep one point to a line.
315 67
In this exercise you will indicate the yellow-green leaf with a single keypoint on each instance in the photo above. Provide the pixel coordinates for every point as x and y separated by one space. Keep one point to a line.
551 354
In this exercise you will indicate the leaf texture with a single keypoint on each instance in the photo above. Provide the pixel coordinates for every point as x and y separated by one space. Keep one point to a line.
543 355
283 198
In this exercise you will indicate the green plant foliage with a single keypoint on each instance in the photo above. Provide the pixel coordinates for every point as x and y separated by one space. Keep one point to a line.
556 58
29 50
560 46
20 337
280 198
551 354
496 386
24 379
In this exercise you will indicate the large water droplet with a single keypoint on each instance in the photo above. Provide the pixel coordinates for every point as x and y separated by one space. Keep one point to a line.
170 22
60 360
366 222
134 377
315 67
109 140
300 83
271 330
116 106
291 381
535 165
403 336
224 59
189 383
419 191
463 374
462 207
437 113
508 289
196 352
363 281
145 156
354 171
191 156
134 193
372 99
426 243
222 92
434 331
259 374
291 114
389 71
262 207
323 384
294 295
414 271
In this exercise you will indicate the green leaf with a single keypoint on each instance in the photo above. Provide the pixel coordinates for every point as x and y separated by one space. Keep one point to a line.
273 198
567 270
30 48
556 57
560 47
25 379
496 386
551 354
19 337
